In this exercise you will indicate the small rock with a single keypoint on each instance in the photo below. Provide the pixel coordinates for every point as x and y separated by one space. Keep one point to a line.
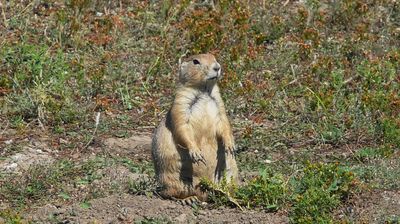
267 161
12 166
139 177
63 141
3 206
202 212
121 217
8 142
17 157
10 132
182 218
25 140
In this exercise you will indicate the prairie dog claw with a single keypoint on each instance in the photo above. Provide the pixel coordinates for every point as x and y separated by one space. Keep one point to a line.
197 157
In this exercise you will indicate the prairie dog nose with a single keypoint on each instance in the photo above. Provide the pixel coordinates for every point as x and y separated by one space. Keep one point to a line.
216 67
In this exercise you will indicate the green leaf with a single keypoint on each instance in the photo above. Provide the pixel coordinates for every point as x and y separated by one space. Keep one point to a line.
82 182
65 196
85 205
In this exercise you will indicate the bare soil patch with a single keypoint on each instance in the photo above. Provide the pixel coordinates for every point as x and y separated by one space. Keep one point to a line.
375 206
36 152
126 208
135 147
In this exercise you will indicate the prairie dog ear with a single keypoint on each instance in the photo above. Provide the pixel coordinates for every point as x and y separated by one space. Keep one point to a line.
183 64
182 71
180 59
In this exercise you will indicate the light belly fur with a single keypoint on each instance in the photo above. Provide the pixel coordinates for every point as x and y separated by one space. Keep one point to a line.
203 119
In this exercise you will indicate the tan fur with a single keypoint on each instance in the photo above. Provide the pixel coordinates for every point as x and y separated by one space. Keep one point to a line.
195 139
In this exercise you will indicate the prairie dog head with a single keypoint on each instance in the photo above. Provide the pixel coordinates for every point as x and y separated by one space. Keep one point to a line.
200 70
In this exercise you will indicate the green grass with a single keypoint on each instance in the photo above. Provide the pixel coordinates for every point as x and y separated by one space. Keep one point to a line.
392 219
319 191
11 217
38 79
369 153
313 81
311 194
268 191
153 221
380 173
142 186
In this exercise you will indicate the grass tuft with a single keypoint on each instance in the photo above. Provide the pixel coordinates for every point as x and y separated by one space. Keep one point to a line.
311 196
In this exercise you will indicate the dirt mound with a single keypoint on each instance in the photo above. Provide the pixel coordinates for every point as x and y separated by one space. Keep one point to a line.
34 153
138 146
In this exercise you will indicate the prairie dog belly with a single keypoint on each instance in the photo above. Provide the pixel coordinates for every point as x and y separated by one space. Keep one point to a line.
204 115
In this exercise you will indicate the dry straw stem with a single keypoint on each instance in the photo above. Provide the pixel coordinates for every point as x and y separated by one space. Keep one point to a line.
4 14
231 199
95 130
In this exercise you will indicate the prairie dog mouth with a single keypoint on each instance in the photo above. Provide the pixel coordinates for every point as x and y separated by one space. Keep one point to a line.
214 76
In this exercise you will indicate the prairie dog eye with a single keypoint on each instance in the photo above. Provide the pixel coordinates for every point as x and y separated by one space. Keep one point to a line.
196 62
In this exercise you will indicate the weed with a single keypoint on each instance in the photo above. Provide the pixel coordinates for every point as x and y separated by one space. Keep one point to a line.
37 80
222 193
208 29
368 153
11 217
391 132
318 191
268 191
311 195
379 173
149 220
85 205
36 185
54 178
143 186
393 219
89 170
144 167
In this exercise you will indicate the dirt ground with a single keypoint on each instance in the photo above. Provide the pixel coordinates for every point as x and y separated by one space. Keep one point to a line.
373 207
367 207
127 208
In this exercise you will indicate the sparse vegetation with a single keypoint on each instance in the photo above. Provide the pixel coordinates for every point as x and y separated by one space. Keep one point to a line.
153 221
268 191
61 179
318 191
303 81
311 195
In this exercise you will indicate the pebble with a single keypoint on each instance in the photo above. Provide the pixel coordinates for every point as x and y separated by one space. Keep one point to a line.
182 218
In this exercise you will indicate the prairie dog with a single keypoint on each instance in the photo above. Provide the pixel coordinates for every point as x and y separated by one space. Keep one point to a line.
195 138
